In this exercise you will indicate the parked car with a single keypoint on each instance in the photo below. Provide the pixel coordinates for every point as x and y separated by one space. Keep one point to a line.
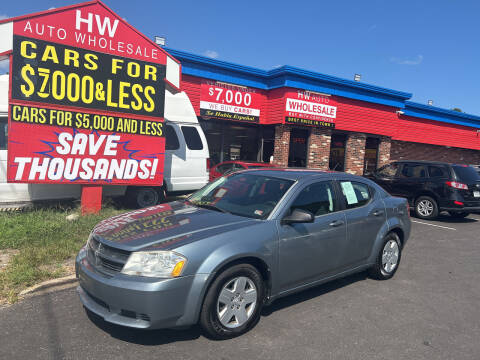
432 186
185 167
239 243
227 167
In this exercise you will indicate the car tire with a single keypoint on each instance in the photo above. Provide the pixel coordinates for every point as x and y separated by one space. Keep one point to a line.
458 215
426 208
231 308
388 258
144 196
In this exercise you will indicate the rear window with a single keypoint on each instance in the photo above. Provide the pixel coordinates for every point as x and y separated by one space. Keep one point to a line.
192 138
466 174
171 139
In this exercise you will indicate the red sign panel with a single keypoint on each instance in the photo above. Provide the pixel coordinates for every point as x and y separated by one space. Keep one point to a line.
87 100
230 102
308 108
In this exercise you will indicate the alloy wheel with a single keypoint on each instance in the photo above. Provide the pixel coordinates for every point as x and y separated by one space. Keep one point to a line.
236 302
390 256
425 207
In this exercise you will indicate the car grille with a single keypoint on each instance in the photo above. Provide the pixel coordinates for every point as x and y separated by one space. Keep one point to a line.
105 258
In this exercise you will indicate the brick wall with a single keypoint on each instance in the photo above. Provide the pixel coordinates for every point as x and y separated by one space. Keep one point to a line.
318 151
281 145
355 153
384 148
403 150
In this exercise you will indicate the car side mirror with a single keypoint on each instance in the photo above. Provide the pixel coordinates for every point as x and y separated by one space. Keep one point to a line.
299 216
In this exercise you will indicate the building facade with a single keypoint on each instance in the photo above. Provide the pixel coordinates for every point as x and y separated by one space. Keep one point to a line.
297 118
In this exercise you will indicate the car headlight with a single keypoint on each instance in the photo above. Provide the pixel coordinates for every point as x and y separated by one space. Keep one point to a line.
155 264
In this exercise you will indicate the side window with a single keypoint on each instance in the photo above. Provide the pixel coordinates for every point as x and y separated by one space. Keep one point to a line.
222 169
192 138
3 133
413 171
388 171
171 139
355 194
436 171
317 198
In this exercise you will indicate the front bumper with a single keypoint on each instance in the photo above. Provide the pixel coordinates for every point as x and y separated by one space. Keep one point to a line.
140 302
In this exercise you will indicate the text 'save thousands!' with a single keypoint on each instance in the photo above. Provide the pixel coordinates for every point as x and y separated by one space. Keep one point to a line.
79 116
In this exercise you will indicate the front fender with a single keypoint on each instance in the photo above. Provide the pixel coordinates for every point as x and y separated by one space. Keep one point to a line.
261 244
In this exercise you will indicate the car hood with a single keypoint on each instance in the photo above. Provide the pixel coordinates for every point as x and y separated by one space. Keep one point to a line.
165 227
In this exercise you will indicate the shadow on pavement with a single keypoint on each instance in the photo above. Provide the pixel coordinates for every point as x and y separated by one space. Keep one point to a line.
144 337
445 218
309 294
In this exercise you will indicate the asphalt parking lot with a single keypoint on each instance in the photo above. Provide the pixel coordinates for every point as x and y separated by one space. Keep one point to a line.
429 310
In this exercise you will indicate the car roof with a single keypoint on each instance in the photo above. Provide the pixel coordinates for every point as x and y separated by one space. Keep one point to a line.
429 162
297 174
422 162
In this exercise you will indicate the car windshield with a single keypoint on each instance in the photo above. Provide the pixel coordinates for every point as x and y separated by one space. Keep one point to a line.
242 194
466 174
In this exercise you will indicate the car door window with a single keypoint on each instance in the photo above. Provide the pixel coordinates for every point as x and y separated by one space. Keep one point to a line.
192 138
388 171
413 171
435 171
356 194
318 198
171 138
222 169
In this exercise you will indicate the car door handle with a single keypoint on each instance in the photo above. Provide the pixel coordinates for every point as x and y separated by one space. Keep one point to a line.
377 213
336 223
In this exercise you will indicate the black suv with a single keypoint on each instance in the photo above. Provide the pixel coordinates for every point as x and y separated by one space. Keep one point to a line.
431 186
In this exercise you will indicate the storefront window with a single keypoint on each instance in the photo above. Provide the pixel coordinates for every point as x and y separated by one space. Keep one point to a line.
337 152
3 133
297 155
371 154
232 141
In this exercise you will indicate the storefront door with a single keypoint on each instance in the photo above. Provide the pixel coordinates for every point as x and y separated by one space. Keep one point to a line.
297 156
371 155
337 152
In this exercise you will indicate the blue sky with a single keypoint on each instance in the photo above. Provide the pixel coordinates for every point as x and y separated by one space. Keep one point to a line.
429 48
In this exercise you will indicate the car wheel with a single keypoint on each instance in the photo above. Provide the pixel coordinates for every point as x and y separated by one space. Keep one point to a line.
233 302
458 215
141 197
388 258
426 208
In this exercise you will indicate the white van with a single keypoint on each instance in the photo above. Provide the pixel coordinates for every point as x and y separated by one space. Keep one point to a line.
185 169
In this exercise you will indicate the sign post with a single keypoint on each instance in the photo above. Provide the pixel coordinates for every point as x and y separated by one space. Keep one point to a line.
86 100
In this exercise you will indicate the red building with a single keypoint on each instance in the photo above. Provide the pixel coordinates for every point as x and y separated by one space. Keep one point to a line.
307 119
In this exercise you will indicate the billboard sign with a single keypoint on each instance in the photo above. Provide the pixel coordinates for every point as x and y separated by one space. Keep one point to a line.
308 108
87 99
230 102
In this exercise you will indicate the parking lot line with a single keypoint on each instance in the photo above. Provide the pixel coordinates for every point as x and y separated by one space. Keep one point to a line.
440 226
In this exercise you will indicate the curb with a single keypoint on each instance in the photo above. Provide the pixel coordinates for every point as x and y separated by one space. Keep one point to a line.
50 286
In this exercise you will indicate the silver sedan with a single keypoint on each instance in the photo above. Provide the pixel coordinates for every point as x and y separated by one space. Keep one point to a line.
236 245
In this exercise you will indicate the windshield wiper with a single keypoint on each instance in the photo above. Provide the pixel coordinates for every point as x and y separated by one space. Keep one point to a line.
211 207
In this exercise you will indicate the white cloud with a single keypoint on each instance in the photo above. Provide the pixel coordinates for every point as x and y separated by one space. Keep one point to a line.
417 60
277 66
211 54
4 16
